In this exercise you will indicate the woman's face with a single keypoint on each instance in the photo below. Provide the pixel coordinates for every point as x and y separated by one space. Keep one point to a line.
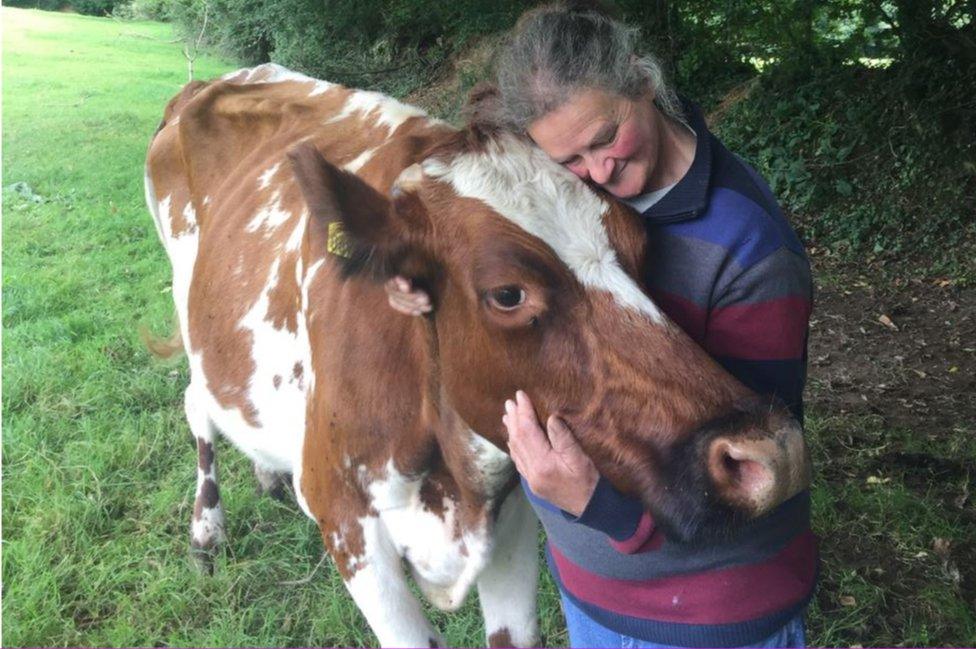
604 139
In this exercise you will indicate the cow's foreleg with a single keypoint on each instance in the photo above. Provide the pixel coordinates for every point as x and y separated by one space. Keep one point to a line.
507 587
377 583
207 526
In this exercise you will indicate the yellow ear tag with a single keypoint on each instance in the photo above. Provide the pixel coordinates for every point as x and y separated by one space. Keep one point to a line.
339 244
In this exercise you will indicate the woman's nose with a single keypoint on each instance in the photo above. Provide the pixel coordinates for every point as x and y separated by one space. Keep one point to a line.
600 169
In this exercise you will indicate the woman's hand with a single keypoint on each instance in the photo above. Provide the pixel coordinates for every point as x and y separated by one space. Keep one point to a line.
404 300
552 462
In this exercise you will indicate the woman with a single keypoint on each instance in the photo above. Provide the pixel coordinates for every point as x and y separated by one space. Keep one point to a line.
726 266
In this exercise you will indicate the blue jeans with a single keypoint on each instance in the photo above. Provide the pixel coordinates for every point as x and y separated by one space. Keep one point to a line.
585 632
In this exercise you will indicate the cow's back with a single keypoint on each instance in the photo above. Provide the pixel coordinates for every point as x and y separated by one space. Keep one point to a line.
233 221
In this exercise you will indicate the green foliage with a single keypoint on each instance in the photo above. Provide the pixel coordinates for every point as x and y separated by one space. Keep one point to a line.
867 162
96 7
46 5
393 45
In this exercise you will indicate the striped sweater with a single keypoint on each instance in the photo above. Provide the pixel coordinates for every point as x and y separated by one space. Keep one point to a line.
725 265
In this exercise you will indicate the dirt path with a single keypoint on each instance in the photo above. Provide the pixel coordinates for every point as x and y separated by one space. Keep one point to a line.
900 355
904 350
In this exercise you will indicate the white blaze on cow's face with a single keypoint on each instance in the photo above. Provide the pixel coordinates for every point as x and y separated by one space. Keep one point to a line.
520 183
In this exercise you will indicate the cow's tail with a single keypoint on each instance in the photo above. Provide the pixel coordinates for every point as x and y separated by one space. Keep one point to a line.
162 347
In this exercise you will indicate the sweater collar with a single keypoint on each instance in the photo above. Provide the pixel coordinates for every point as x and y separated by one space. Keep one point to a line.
689 197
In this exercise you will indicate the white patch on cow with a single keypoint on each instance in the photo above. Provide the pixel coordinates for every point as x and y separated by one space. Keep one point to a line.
308 371
507 586
380 590
153 204
274 73
190 216
493 466
207 531
182 252
357 163
295 239
281 409
444 566
264 180
269 217
389 112
523 185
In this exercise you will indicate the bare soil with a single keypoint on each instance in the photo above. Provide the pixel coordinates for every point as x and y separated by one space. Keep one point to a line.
898 352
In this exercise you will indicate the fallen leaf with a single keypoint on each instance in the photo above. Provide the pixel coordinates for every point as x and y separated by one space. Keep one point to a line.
941 547
873 479
847 600
953 369
920 373
886 321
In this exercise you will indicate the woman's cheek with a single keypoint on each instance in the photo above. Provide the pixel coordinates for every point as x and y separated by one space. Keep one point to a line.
627 144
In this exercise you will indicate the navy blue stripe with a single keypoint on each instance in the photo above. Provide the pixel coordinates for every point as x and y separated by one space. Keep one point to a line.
783 378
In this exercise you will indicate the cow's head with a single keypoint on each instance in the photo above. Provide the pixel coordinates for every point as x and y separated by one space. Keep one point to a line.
533 278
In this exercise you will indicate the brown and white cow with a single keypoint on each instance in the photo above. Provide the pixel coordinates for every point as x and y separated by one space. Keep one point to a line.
390 426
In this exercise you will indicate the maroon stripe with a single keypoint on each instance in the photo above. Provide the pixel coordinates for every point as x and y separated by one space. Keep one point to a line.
685 313
761 331
644 539
724 596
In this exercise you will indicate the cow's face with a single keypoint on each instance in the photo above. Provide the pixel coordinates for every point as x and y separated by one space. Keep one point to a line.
532 278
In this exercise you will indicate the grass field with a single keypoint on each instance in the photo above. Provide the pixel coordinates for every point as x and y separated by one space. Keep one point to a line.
98 472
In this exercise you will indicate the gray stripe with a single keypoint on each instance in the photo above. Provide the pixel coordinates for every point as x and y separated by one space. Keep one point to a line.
753 543
685 266
779 274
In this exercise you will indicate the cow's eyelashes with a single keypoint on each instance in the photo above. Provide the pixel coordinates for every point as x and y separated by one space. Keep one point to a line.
506 298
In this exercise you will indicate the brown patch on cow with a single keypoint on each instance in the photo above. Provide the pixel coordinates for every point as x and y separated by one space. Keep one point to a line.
285 297
205 455
297 372
628 237
432 496
277 381
500 638
207 498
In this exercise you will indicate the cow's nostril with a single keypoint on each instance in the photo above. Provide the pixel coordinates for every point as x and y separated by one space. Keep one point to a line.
742 475
750 477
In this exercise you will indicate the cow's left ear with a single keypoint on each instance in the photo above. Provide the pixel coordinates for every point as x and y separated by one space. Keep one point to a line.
334 195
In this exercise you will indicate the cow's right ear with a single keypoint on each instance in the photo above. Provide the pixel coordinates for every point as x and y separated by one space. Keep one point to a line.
334 195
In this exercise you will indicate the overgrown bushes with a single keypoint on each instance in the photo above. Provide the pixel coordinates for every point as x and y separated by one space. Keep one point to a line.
860 114
90 7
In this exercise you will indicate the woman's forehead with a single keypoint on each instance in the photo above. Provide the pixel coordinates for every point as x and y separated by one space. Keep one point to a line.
576 122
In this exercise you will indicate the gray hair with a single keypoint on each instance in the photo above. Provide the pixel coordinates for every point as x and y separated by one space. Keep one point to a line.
556 50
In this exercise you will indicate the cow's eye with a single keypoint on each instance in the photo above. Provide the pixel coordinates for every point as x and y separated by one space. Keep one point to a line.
506 297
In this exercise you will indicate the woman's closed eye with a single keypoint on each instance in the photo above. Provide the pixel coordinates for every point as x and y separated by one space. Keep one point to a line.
606 138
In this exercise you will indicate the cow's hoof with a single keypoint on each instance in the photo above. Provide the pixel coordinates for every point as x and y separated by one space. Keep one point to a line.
203 559
277 491
272 483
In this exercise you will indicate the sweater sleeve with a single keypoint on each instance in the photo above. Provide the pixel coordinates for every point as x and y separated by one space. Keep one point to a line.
757 326
619 516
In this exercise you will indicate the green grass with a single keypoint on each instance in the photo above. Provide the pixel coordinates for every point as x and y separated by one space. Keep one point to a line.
98 471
